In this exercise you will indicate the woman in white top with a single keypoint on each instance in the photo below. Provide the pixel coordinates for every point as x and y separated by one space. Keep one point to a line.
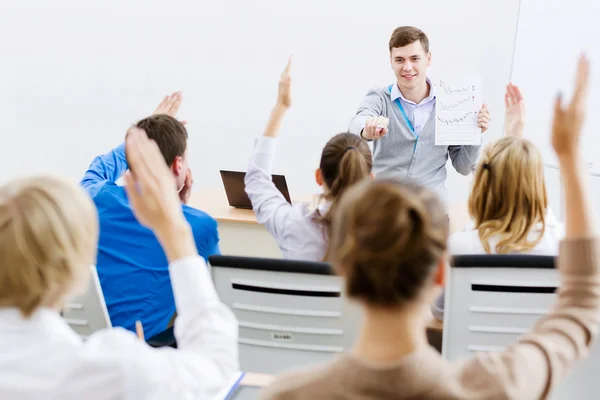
508 203
48 239
301 232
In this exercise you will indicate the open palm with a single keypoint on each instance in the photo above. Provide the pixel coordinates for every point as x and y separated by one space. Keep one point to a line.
514 115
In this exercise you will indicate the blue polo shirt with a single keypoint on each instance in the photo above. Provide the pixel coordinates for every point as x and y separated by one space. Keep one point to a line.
131 264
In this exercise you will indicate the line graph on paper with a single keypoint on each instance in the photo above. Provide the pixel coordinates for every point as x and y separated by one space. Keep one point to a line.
457 104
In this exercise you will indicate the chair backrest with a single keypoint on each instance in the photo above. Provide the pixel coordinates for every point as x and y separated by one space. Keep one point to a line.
491 300
87 313
290 313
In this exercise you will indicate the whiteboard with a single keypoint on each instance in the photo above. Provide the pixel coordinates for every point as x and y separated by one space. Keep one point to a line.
550 36
75 74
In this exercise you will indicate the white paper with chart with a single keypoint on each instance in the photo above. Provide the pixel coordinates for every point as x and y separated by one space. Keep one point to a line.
457 103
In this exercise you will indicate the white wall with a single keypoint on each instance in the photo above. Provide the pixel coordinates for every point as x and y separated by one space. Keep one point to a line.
550 36
75 74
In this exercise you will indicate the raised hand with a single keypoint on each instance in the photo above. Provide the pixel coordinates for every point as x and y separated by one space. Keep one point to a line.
514 114
284 95
170 105
568 121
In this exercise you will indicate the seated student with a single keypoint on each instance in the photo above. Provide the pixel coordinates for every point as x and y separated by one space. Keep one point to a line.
131 264
48 239
389 245
301 232
508 202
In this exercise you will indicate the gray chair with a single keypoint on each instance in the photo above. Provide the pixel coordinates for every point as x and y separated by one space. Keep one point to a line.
290 313
491 300
87 313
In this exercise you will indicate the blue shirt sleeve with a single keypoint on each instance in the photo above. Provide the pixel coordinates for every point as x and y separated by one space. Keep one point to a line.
206 235
105 168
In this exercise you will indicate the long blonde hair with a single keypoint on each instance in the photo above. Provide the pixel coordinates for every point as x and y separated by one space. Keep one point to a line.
509 195
48 240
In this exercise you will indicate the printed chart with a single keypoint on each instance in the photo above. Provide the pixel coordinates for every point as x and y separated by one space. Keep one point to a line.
456 107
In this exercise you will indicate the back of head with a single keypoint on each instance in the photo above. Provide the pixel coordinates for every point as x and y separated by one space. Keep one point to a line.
48 240
509 195
345 160
405 35
169 134
387 238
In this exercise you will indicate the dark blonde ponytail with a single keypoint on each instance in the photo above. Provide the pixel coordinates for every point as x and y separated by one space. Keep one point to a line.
345 161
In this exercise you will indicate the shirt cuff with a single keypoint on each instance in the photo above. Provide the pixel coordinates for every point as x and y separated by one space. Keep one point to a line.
264 153
192 284
266 145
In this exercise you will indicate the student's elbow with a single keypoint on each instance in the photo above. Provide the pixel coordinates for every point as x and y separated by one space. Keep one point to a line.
462 165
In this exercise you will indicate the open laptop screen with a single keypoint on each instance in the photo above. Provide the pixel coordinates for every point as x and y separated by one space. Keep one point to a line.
233 181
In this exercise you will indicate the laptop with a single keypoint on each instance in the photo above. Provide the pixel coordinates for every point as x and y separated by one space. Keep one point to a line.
235 189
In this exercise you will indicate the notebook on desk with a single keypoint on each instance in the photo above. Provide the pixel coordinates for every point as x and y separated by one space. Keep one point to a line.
235 188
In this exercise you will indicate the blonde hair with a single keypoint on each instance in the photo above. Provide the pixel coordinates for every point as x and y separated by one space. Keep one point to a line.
509 195
48 240
346 159
387 238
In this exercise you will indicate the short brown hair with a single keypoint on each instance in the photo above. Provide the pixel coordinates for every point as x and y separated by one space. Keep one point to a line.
387 240
405 35
48 241
169 134
345 160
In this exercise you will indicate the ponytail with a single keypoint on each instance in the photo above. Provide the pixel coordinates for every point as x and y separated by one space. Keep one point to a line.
345 161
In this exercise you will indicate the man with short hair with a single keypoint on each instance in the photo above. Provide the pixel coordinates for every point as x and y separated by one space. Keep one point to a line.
400 119
131 264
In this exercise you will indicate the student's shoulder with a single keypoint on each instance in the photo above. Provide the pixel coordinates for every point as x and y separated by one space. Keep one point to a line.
465 242
310 382
383 92
199 219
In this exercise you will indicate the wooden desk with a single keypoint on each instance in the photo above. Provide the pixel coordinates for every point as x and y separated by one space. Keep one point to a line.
241 235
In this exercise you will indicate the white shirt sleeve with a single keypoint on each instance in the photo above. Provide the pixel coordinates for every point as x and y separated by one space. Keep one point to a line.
271 208
206 332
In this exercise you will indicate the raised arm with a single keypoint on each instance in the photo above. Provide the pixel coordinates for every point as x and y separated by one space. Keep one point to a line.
270 206
111 166
205 329
535 364
107 167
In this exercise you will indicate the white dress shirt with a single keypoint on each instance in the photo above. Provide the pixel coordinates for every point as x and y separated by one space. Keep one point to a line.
417 114
293 226
468 242
42 358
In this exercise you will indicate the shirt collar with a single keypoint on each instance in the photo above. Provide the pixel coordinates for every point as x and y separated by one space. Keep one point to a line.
397 94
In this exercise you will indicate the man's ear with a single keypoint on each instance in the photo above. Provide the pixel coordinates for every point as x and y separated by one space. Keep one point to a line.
440 273
319 177
177 166
428 59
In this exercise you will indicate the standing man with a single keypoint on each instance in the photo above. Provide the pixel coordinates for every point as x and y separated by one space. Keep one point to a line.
400 119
